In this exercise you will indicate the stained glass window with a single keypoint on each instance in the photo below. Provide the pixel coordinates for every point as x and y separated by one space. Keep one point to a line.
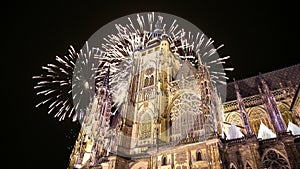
275 160
145 126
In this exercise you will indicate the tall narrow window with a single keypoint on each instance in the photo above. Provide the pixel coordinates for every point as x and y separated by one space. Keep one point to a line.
206 91
146 82
145 126
164 160
198 156
151 80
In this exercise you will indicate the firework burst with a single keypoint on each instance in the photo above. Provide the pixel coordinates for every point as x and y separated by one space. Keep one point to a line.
69 84
138 35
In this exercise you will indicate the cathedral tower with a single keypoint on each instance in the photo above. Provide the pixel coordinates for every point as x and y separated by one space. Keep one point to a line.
95 138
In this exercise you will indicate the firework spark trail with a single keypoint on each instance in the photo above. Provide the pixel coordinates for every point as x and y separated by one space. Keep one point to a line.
68 84
55 84
88 67
131 37
205 52
84 79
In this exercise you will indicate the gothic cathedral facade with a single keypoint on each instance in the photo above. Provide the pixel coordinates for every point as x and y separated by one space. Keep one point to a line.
173 118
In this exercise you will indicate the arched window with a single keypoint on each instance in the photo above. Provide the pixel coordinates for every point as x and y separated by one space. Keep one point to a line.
273 159
151 80
146 95
198 156
146 82
145 126
206 91
286 114
256 116
234 118
207 99
164 160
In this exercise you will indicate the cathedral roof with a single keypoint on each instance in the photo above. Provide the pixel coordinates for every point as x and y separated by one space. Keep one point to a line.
289 76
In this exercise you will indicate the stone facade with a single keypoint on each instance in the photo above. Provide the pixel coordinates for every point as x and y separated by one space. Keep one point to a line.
173 118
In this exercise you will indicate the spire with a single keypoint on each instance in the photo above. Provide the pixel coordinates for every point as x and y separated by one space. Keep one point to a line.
105 102
95 127
264 86
271 106
200 65
242 108
104 107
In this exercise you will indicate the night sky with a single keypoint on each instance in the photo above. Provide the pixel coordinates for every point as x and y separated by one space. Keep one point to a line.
258 37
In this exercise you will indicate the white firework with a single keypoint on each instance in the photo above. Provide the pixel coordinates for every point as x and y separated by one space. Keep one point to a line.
69 87
68 84
84 81
134 36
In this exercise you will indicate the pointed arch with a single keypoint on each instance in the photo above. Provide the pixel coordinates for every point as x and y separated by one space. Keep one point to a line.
183 110
151 80
140 165
234 118
286 113
146 125
188 98
146 120
272 158
164 160
256 116
146 83
198 155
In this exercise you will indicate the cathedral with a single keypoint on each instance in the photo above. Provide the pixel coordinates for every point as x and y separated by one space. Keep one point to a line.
173 117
